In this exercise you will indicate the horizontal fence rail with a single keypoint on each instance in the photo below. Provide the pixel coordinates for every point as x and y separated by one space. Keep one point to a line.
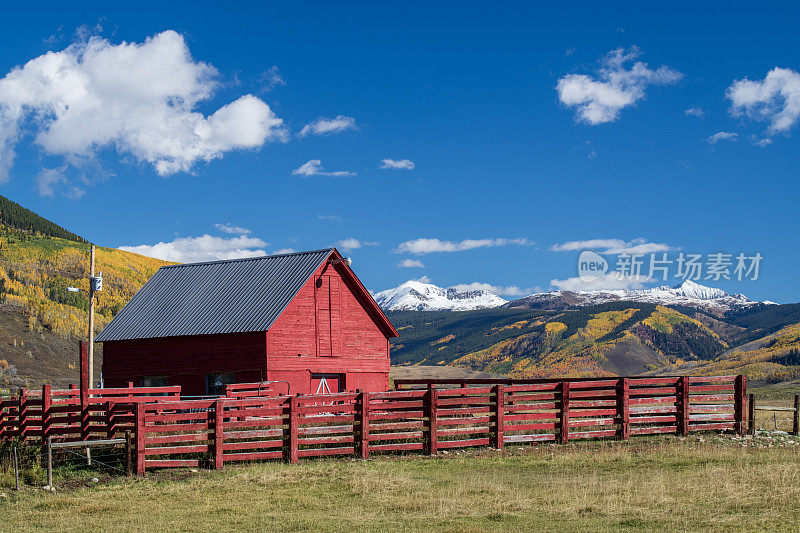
427 417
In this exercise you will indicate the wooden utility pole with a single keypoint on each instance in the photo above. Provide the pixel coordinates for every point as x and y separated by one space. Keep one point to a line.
91 317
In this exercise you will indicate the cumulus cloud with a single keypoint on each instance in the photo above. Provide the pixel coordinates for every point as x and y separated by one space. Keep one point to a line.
722 136
203 248
350 244
328 126
610 281
315 168
234 230
616 86
511 290
405 164
426 246
139 99
613 246
410 263
775 99
284 251
695 112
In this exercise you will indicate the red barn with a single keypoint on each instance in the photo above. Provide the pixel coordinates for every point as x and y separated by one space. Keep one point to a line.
303 318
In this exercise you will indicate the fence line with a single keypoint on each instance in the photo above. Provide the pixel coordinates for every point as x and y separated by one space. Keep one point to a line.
430 419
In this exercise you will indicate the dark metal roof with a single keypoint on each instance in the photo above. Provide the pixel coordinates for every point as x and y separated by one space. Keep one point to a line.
235 296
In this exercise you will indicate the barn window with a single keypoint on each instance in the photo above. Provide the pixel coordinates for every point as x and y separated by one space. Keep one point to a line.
154 381
215 383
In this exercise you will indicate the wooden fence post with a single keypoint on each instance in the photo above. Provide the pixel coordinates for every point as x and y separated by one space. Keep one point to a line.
128 447
623 408
751 415
293 429
499 415
796 420
219 434
22 423
433 423
47 403
140 438
563 436
111 423
739 408
683 405
363 416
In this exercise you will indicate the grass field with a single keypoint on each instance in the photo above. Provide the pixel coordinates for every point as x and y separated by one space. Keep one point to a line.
699 483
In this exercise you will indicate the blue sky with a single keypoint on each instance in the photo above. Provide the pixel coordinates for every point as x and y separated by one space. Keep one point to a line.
528 127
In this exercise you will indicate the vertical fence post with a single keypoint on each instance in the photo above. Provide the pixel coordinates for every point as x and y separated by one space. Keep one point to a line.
683 405
84 418
111 423
219 435
623 408
2 419
740 397
363 418
49 446
499 415
47 403
23 414
751 415
563 436
140 441
796 419
293 429
433 423
128 453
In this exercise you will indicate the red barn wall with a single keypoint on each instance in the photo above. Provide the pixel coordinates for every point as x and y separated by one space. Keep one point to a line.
185 360
327 329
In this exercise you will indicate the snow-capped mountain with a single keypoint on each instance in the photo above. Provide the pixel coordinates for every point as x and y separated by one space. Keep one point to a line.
418 296
688 293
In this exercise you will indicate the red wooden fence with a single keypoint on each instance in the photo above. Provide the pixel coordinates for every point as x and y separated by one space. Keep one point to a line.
198 432
65 415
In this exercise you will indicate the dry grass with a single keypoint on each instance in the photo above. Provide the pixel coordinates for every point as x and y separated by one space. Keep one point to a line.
700 483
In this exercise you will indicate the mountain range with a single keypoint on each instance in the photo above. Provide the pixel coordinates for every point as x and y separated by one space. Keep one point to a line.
419 296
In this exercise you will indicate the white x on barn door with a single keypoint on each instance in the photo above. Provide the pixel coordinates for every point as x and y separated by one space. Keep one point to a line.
323 387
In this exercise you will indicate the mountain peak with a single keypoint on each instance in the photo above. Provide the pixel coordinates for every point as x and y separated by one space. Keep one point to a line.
415 295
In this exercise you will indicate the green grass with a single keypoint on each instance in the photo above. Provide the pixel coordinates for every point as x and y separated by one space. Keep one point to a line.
698 483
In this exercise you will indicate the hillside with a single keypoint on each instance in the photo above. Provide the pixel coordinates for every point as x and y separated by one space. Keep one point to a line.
611 338
38 261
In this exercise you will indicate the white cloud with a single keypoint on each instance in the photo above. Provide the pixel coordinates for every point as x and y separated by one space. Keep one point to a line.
284 251
332 218
423 279
610 281
410 263
353 244
404 164
599 100
51 180
204 248
511 290
775 99
230 228
613 246
271 78
139 99
695 112
314 168
722 136
426 246
328 126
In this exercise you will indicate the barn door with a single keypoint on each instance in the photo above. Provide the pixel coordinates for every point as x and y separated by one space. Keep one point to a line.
328 316
326 383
